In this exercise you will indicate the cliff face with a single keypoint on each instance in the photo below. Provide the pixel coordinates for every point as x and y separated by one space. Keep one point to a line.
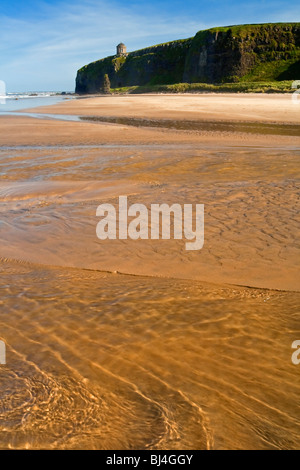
252 52
158 64
263 52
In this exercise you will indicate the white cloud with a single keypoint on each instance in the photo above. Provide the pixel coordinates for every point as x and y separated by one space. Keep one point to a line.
45 54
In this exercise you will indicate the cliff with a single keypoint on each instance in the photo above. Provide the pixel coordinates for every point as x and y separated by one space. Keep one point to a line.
267 52
163 63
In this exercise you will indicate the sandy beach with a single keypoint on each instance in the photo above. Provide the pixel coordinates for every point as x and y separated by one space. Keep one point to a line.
210 106
139 343
223 169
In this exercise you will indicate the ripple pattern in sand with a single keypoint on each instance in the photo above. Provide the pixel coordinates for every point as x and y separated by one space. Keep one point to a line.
107 361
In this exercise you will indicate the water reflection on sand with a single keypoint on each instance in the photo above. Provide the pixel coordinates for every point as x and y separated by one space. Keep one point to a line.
158 359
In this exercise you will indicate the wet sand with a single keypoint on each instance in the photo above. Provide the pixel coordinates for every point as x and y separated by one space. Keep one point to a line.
175 352
221 107
49 198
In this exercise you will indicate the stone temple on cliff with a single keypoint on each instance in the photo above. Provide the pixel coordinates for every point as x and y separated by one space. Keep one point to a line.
121 50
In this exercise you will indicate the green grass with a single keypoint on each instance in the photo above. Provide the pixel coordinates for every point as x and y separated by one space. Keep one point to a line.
269 52
246 29
241 87
118 62
259 58
273 71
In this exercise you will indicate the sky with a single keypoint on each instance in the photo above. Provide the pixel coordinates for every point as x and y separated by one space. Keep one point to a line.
44 43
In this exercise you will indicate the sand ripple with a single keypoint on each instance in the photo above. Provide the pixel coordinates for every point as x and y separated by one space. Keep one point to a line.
107 361
251 199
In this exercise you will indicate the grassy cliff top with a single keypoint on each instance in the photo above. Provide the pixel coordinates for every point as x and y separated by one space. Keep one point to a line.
247 30
143 51
241 31
247 55
252 27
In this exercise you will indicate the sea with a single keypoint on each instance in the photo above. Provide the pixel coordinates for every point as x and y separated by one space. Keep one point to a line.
21 100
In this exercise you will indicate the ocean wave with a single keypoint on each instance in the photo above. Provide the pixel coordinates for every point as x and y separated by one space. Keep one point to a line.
25 95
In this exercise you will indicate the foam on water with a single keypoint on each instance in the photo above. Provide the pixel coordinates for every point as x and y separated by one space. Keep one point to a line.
18 101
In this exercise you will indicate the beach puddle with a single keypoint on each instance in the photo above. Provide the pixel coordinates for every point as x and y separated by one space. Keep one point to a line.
202 126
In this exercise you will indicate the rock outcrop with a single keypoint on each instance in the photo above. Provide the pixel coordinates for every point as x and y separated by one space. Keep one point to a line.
218 55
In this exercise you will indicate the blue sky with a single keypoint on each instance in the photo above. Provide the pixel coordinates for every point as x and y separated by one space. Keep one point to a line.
43 43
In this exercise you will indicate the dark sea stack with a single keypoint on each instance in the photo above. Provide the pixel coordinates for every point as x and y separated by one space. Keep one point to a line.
106 85
267 52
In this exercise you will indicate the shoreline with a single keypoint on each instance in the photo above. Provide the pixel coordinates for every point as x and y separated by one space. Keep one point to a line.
42 132
279 108
208 285
216 109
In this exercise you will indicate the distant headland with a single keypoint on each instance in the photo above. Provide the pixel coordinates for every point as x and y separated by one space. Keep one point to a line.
237 55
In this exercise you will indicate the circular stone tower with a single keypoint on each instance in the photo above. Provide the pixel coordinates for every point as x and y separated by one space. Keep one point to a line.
121 50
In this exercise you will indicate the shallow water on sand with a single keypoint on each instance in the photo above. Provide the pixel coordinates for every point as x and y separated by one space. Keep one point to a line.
111 361
49 199
202 126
